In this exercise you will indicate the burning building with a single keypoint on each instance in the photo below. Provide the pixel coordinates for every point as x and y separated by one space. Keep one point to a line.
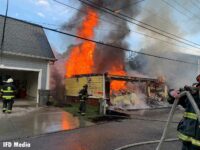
134 92
87 63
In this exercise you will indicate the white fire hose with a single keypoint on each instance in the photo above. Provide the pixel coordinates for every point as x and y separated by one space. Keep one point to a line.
194 105
162 140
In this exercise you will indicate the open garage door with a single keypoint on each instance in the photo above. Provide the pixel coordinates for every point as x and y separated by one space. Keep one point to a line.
26 83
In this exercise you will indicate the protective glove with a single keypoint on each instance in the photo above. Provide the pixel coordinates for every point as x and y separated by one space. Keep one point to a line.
175 93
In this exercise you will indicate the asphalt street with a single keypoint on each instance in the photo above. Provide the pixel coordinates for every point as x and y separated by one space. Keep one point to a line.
145 125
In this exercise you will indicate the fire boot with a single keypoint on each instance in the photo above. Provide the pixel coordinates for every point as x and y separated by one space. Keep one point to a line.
8 111
4 110
83 114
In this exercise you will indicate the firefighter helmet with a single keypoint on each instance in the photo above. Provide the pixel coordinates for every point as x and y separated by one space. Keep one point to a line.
10 80
85 86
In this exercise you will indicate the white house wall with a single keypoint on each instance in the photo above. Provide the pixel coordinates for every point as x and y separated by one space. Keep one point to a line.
24 63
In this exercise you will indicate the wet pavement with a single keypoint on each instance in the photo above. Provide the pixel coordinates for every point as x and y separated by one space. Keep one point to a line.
30 121
145 125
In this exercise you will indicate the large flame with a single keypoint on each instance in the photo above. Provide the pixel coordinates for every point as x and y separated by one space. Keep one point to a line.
117 85
80 60
81 57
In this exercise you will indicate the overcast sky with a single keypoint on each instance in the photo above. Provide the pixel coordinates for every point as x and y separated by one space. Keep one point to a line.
51 14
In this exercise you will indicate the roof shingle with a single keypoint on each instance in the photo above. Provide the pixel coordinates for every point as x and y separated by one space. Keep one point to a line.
26 39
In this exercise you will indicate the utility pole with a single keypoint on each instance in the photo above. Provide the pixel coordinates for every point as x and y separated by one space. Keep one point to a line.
4 27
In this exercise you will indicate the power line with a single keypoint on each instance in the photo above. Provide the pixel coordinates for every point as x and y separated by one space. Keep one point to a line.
108 45
185 9
182 13
123 17
195 4
150 11
172 6
106 30
119 48
146 35
166 22
129 5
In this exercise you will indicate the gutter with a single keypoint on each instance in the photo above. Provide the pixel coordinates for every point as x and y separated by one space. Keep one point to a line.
30 56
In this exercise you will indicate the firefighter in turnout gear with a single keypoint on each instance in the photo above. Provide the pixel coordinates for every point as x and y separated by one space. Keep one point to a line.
8 95
189 127
83 96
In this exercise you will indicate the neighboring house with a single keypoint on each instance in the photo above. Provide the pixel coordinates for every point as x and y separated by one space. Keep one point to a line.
25 56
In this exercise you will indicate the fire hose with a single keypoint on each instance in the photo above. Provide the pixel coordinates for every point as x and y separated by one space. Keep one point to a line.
194 105
169 120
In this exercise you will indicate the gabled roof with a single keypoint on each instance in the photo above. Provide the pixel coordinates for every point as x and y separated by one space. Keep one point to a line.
25 39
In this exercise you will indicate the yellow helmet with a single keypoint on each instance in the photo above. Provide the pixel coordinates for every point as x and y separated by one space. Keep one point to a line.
10 80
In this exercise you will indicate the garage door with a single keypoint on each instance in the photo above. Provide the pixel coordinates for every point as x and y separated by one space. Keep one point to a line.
26 82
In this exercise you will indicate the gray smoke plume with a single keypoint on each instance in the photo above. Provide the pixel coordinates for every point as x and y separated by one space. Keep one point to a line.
177 74
106 57
57 84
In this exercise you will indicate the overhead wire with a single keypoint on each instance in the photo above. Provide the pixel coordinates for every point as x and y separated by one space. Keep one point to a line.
101 43
131 4
195 4
140 23
187 10
172 6
165 22
116 47
143 34
108 45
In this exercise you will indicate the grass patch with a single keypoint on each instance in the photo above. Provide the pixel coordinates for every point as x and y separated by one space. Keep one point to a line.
91 111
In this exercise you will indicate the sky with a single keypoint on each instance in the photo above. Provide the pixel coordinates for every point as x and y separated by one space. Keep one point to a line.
51 14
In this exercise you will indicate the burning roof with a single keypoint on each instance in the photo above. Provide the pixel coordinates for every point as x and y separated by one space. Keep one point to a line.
81 59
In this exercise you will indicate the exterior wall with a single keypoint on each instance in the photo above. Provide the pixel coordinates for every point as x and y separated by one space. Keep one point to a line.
24 63
95 86
28 64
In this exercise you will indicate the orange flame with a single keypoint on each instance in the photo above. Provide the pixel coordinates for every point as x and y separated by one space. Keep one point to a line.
80 60
117 85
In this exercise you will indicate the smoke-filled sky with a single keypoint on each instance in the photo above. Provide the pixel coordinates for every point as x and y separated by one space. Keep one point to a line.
180 17
154 12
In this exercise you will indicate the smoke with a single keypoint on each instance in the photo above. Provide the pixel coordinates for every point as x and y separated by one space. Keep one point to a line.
177 74
57 72
107 57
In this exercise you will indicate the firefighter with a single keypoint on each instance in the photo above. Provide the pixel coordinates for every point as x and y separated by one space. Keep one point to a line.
8 95
83 96
189 127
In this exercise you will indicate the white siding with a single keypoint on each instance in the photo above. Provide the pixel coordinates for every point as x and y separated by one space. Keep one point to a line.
26 64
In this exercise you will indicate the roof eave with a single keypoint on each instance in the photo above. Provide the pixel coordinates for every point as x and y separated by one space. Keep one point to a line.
30 56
